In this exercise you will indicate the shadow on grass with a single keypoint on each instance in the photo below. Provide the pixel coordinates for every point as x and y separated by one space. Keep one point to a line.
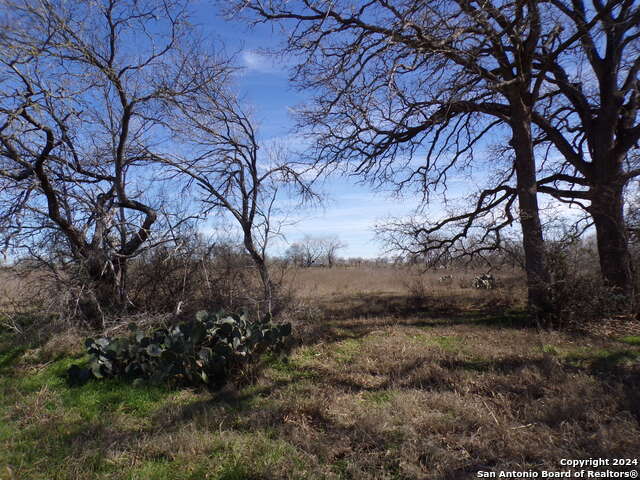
612 367
354 317
502 378
8 356
289 405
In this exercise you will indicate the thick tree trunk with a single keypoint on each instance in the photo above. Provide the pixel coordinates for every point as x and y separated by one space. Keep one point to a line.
607 210
538 278
90 310
104 294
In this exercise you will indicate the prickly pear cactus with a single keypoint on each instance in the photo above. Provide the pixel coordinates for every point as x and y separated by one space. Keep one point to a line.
203 351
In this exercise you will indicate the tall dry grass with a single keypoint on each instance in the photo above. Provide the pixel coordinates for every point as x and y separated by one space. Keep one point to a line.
325 283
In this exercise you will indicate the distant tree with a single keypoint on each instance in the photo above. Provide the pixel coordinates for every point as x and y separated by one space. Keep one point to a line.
314 250
382 261
295 254
332 245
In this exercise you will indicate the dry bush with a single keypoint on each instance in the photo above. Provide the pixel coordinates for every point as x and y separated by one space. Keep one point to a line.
191 278
162 283
48 299
578 293
203 277
30 302
416 286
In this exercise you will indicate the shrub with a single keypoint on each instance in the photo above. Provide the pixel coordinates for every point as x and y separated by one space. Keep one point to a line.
203 351
416 286
194 275
578 294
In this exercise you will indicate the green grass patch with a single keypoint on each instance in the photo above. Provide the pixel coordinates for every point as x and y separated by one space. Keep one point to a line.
307 355
595 358
164 469
8 357
600 359
155 469
448 343
98 397
233 456
92 399
551 349
49 375
631 340
45 423
288 369
382 397
346 350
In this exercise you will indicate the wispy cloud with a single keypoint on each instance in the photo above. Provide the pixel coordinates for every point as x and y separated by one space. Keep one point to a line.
257 62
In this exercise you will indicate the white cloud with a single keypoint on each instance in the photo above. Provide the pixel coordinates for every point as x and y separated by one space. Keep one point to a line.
257 62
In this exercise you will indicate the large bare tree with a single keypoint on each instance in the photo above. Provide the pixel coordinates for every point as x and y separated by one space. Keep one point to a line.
591 66
410 90
84 90
332 245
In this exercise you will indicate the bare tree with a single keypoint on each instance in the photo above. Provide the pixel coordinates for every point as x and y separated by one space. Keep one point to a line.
84 90
315 250
234 174
591 64
428 80
295 254
332 245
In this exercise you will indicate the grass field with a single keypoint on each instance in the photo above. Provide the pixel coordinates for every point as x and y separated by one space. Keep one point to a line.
385 381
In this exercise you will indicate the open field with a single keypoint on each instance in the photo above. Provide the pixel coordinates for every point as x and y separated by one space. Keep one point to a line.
381 383
323 283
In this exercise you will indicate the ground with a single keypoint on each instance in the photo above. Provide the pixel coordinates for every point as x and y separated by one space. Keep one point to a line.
385 380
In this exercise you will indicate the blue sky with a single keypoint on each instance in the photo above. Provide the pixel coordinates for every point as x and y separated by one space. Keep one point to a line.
349 210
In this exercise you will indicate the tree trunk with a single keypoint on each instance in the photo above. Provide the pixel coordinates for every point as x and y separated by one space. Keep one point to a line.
607 210
266 285
263 270
91 310
538 278
104 288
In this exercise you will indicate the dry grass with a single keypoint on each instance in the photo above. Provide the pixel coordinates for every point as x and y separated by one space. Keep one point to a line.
12 289
379 385
314 283
320 282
